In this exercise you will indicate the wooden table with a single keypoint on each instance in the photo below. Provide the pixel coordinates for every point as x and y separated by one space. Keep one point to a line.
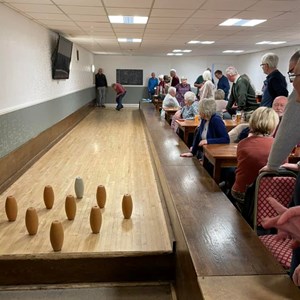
188 127
230 124
170 112
220 156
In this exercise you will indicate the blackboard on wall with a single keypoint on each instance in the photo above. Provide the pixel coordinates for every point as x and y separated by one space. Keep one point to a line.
130 76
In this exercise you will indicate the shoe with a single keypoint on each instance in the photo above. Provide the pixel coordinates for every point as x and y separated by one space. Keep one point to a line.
122 106
103 106
118 108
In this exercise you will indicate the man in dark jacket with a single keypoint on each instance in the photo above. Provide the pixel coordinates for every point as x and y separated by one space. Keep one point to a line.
275 84
101 86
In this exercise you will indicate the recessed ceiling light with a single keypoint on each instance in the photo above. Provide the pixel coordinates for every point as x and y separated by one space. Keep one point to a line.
178 54
201 42
271 43
177 50
242 22
170 54
233 51
126 40
180 51
128 19
187 51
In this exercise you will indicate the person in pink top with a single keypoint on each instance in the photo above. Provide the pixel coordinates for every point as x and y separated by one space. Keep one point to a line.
253 151
121 92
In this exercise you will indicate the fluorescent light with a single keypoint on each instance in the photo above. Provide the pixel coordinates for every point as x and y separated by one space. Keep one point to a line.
271 43
207 42
128 19
233 51
252 23
230 22
170 54
178 54
126 40
201 42
180 51
242 22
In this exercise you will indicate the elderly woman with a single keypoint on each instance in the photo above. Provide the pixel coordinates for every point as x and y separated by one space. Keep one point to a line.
170 100
181 89
220 102
208 88
211 130
189 110
253 151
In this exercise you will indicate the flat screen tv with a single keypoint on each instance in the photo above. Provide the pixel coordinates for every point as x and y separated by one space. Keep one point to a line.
61 59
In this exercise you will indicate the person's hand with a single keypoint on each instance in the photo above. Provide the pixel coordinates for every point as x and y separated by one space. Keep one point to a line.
288 220
186 154
296 276
266 169
293 167
203 142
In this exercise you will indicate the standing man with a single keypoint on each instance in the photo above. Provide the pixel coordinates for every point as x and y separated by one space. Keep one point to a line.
152 84
223 83
242 96
121 92
101 86
174 77
275 84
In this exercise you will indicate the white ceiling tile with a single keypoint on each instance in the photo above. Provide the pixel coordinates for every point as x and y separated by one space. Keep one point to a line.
43 16
29 1
275 5
211 14
128 12
128 3
172 12
83 10
252 14
78 2
58 22
191 4
52 9
88 18
228 4
167 20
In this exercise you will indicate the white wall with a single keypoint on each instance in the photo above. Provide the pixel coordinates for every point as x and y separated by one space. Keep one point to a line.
25 60
250 64
191 67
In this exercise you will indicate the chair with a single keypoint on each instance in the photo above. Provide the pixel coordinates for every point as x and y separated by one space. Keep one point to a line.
280 186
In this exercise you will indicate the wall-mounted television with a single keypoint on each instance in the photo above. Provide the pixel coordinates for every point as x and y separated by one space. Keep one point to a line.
61 59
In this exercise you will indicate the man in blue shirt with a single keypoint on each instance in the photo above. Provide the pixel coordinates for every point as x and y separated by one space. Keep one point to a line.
223 83
275 84
152 84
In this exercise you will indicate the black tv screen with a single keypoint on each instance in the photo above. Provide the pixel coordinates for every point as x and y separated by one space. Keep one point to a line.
61 59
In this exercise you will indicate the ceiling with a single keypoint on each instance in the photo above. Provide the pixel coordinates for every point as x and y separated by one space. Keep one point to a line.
171 25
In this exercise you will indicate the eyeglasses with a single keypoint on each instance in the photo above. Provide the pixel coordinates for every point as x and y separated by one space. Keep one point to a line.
292 76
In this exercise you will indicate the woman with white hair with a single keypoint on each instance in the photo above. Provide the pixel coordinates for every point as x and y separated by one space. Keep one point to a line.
189 110
170 100
211 130
208 88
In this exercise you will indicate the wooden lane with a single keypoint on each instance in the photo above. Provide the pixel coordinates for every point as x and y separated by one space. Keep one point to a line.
108 148
212 239
169 113
220 156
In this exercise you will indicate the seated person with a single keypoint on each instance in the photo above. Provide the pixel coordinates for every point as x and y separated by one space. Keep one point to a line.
279 105
253 151
181 89
170 101
240 131
211 130
189 110
221 103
